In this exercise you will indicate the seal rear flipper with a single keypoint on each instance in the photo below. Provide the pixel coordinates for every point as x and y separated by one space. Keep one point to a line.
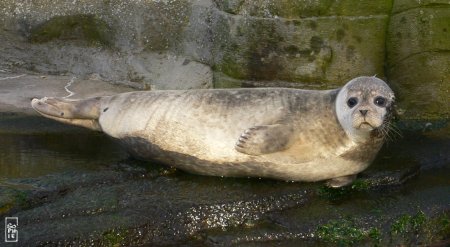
265 139
83 113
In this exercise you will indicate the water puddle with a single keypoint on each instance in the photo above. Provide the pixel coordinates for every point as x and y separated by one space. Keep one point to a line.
32 155
33 147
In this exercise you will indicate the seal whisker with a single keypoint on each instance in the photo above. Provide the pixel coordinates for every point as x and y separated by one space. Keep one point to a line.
388 132
391 132
395 130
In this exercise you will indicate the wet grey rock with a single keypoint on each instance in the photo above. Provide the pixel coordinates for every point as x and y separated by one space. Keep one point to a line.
133 201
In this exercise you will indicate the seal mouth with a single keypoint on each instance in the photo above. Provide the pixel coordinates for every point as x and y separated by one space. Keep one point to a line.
365 125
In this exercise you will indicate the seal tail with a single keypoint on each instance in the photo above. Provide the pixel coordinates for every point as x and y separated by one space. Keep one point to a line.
84 113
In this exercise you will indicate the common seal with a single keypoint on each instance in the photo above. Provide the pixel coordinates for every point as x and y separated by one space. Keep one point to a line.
281 133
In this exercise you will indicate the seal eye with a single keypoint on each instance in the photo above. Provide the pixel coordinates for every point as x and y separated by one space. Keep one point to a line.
380 101
352 102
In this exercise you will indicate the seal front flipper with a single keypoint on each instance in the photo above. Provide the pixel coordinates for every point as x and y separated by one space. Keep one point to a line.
341 181
83 113
264 139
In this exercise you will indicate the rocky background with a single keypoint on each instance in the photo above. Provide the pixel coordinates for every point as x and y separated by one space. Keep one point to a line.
184 44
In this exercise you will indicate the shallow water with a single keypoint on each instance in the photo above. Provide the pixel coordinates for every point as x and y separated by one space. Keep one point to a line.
33 146
55 175
31 155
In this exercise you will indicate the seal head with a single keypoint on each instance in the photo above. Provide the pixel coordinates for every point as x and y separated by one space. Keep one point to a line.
363 107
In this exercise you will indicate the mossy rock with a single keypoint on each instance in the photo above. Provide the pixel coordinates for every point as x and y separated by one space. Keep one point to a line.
300 9
162 24
418 30
115 237
422 86
345 232
404 5
313 51
418 62
74 27
419 228
223 81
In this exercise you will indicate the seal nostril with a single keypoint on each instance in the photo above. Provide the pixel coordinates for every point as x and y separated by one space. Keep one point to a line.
363 112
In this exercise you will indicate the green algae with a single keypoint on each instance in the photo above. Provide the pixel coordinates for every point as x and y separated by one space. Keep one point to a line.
407 223
406 229
345 232
115 237
359 185
412 229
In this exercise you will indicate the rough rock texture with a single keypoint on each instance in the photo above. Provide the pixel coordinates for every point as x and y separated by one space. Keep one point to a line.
183 44
419 57
314 41
300 9
311 42
132 43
